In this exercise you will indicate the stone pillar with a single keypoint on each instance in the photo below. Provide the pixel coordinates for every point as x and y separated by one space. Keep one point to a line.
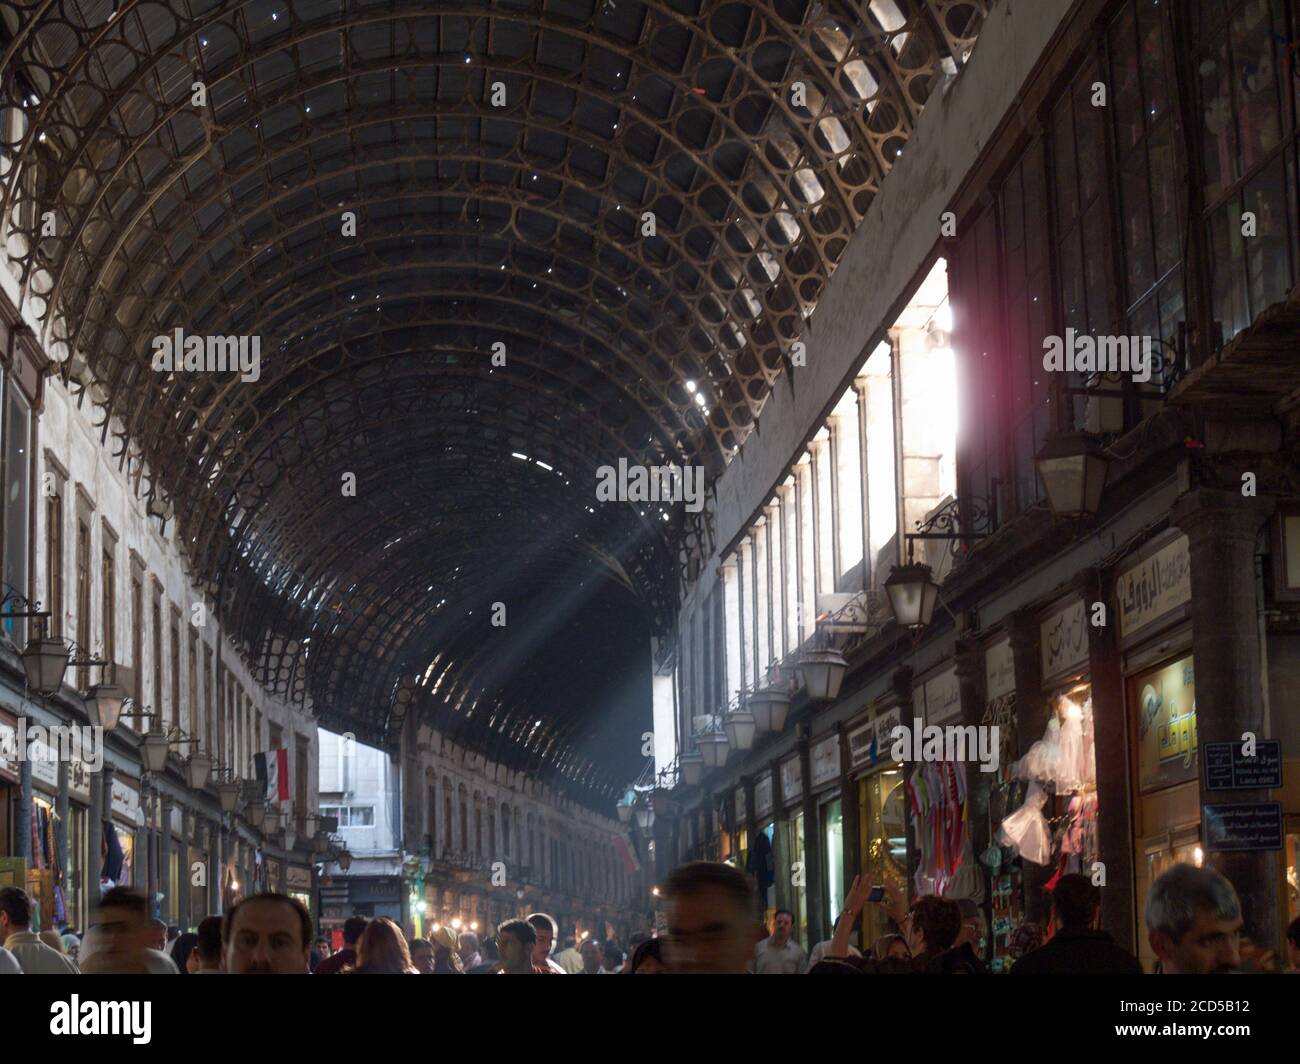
101 797
849 811
812 848
215 857
1031 722
780 856
1114 783
183 915
901 682
1222 529
165 885
23 821
969 657
61 813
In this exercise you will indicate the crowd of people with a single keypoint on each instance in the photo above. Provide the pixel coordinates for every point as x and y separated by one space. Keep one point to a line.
1193 917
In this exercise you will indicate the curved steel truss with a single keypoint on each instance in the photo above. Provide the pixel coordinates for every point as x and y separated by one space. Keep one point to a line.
641 200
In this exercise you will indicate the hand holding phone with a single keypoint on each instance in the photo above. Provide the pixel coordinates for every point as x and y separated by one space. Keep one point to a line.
877 894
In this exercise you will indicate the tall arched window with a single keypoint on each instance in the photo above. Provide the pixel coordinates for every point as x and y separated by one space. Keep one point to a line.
505 829
464 819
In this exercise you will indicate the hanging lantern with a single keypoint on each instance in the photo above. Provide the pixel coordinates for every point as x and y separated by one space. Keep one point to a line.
823 672
228 793
154 752
645 817
1073 468
255 811
345 860
740 727
104 705
197 769
912 594
45 660
692 769
769 705
713 748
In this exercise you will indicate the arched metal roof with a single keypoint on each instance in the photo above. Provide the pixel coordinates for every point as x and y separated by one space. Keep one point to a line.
499 160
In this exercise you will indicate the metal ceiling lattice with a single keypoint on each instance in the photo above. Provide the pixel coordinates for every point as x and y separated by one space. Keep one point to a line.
499 159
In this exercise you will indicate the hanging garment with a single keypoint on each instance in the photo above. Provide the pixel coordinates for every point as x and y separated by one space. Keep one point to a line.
113 857
760 863
1026 831
1069 768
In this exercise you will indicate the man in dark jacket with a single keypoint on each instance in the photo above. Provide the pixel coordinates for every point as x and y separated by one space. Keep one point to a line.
353 927
1077 949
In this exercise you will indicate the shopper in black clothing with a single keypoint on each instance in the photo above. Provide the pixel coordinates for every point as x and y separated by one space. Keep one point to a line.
1076 948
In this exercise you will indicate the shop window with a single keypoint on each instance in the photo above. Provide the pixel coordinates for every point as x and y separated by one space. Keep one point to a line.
1246 96
832 827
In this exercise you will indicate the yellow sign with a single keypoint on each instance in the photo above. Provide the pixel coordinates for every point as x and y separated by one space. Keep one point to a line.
1166 708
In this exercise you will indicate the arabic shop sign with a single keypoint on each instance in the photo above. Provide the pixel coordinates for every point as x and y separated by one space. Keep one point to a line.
1152 588
1064 640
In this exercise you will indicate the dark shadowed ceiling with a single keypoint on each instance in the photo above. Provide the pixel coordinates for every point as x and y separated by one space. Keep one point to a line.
475 224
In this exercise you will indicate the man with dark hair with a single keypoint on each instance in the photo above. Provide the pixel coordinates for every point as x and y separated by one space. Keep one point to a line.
158 935
421 955
16 936
516 941
267 934
353 926
544 927
1194 922
710 911
612 957
207 949
779 953
121 938
1077 948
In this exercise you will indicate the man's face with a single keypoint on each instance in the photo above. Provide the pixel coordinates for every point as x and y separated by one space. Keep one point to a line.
782 926
1209 946
122 931
898 950
708 932
422 958
157 938
515 955
591 957
542 948
266 938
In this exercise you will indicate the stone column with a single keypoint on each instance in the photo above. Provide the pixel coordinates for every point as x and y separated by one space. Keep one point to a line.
215 857
969 657
165 885
1032 713
23 821
901 682
1114 783
183 915
1222 529
849 810
61 813
812 848
101 797
780 856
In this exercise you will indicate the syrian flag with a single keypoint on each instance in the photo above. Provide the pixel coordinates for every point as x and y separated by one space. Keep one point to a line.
272 770
630 864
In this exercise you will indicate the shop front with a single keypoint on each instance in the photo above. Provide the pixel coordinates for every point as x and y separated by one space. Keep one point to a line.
1153 596
740 817
10 874
61 892
882 811
791 870
297 880
1006 893
117 868
1052 823
824 758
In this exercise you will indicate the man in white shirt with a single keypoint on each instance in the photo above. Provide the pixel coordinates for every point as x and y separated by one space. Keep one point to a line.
779 954
32 955
119 940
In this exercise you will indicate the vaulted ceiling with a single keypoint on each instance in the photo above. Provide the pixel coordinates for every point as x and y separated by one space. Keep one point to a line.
641 200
